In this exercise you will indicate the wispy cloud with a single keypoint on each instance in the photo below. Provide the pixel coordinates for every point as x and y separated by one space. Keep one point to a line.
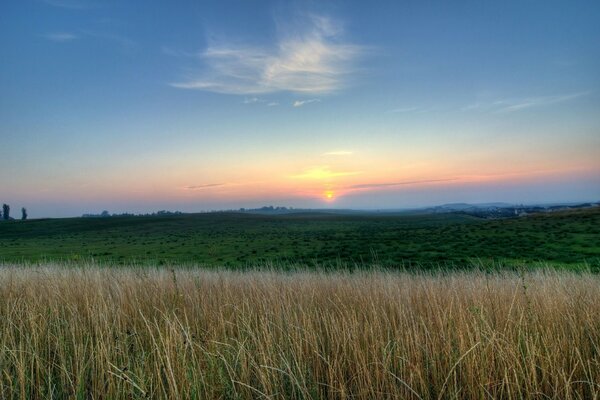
474 106
518 104
404 109
205 186
322 173
393 184
71 4
300 103
60 36
175 52
253 100
123 41
338 153
120 40
539 101
258 100
312 60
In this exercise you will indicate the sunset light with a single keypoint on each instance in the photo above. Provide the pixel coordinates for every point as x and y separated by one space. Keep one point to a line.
208 199
298 105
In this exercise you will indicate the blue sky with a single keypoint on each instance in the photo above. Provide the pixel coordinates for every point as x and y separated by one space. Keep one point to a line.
138 106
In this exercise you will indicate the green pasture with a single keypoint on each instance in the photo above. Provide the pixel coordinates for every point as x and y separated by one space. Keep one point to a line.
236 239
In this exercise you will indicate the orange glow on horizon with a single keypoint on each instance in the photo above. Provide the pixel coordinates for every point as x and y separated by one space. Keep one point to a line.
296 179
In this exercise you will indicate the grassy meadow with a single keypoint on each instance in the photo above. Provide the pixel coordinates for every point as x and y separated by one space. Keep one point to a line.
242 240
307 306
135 333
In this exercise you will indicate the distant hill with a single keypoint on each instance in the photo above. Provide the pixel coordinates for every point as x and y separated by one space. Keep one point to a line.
466 206
481 210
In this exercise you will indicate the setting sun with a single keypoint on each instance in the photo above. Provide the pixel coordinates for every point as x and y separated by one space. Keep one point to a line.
329 195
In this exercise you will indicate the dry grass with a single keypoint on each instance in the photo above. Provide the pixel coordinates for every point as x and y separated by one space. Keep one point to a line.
134 333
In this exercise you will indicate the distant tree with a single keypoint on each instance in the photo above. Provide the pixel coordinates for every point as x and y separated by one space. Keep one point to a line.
105 214
5 211
23 213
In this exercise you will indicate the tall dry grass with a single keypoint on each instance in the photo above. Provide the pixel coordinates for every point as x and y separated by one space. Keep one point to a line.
135 333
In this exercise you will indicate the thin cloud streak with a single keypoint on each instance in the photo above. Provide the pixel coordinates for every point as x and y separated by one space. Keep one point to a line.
261 101
253 100
123 41
71 4
312 61
206 186
404 110
514 105
393 184
541 101
300 103
174 52
338 153
60 36
322 173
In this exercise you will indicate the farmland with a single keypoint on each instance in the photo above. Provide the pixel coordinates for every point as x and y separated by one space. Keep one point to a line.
242 240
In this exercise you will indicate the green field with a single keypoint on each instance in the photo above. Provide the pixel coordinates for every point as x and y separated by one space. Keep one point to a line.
235 239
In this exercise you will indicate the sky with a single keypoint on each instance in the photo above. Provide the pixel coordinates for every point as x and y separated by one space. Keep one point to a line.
137 106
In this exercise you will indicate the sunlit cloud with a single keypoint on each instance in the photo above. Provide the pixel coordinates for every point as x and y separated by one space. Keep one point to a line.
385 185
272 104
205 186
338 153
323 173
60 36
312 60
300 103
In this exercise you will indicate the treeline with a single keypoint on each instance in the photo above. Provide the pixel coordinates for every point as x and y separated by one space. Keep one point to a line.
106 214
5 213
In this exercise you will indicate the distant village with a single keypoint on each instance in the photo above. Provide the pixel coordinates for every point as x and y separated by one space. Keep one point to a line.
522 210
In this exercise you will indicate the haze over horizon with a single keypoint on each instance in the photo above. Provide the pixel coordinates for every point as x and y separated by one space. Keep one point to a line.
138 106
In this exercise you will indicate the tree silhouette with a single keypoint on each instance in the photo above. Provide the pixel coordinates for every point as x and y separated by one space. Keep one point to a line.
23 213
6 211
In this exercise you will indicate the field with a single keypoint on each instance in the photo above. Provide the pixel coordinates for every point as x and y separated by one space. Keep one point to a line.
238 240
133 333
341 306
